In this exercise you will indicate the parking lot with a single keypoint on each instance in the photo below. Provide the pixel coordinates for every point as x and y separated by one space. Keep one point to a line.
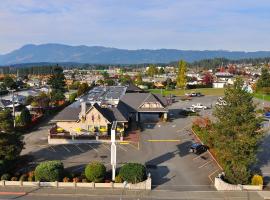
163 148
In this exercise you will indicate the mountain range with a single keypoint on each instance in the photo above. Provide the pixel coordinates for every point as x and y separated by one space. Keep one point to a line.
53 53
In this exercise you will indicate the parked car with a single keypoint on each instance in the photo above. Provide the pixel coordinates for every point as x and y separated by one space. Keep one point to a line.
191 109
221 103
199 106
267 114
197 148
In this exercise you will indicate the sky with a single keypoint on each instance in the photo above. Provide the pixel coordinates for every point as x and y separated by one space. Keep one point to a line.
137 24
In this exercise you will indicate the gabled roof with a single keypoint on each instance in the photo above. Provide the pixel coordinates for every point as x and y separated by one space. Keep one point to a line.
4 103
68 114
133 88
133 101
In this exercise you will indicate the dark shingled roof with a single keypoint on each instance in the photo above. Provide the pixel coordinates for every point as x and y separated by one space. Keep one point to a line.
68 114
134 88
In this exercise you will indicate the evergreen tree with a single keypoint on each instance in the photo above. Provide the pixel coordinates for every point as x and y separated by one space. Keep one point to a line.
57 80
263 83
25 117
236 133
10 142
181 79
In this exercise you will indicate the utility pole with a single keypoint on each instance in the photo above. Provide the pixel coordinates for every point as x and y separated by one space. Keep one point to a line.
13 107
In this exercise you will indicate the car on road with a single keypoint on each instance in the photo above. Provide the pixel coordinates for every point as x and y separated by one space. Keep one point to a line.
197 148
194 94
199 106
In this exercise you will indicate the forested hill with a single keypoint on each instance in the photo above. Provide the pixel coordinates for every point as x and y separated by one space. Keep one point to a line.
57 53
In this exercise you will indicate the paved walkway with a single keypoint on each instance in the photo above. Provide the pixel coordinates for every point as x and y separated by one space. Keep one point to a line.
60 193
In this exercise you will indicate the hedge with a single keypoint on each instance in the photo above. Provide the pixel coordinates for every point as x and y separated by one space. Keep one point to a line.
49 171
95 172
133 172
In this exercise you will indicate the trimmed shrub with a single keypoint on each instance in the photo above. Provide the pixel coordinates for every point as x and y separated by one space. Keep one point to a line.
76 179
257 180
133 172
118 179
23 177
5 177
95 172
14 178
66 179
49 171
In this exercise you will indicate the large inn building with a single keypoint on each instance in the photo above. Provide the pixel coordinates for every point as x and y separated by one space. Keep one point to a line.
103 106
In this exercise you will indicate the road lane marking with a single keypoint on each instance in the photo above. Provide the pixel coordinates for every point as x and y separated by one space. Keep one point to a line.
163 140
206 163
93 148
124 143
66 148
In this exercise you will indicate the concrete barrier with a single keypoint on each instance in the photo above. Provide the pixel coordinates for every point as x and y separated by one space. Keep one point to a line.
104 185
221 185
145 185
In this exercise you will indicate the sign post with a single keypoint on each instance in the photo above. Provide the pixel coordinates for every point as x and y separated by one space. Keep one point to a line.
113 150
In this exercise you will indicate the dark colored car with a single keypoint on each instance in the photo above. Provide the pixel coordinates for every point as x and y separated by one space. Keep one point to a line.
197 148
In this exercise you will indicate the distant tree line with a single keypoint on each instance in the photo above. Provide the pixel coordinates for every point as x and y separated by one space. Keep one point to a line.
23 71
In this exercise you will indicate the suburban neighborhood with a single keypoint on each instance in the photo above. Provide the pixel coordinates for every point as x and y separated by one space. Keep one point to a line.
134 100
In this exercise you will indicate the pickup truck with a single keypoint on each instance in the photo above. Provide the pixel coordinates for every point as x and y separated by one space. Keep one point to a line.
199 106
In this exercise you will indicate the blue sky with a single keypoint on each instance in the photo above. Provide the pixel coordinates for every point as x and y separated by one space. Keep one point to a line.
137 24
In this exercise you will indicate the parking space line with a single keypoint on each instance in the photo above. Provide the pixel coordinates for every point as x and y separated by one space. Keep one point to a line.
66 148
206 163
106 147
209 176
122 148
93 148
80 149
199 156
52 148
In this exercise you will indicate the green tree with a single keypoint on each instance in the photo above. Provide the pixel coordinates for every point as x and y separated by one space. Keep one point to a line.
72 97
9 83
57 80
263 83
10 142
181 79
237 134
58 96
105 75
152 70
125 79
84 87
161 70
25 117
138 79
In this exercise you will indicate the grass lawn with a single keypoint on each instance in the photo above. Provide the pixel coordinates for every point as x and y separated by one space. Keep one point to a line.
179 92
261 96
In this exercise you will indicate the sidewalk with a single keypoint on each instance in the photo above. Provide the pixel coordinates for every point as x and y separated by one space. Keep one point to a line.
109 193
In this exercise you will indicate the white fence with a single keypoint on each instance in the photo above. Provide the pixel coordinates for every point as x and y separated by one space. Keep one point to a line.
145 185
